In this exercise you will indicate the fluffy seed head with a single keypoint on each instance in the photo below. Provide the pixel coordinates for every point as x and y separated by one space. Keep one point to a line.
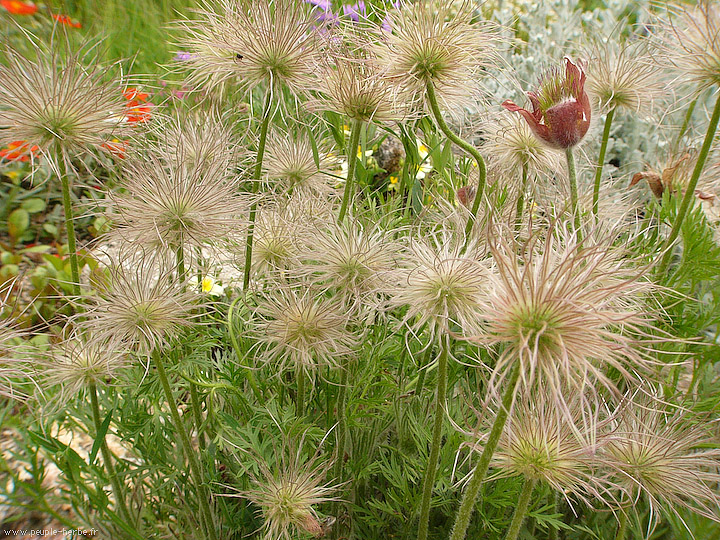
9 334
511 145
666 455
564 311
435 43
287 494
302 327
272 43
172 200
140 305
353 260
438 284
57 103
623 76
81 362
692 42
541 443
290 163
357 86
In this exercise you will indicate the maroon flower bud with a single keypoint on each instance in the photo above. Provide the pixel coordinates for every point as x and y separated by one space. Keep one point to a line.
561 107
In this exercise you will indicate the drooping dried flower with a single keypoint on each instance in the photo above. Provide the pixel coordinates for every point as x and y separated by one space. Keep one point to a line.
271 43
561 107
296 325
442 45
664 454
566 312
287 493
57 102
140 306
692 43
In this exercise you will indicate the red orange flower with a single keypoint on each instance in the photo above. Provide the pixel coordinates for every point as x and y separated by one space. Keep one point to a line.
19 151
138 109
16 7
561 108
116 147
67 21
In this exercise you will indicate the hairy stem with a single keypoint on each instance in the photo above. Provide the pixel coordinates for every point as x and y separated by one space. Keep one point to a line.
69 224
423 370
622 525
601 160
686 123
430 472
521 508
469 148
690 189
300 398
257 173
197 413
118 490
180 262
249 376
352 161
572 176
521 199
202 493
462 520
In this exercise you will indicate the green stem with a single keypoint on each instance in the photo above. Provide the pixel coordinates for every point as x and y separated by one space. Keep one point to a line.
430 472
521 508
690 189
69 224
521 199
686 122
202 493
552 531
238 353
180 261
257 173
342 436
423 370
352 160
341 423
572 176
469 148
622 525
601 160
462 521
197 413
118 490
300 399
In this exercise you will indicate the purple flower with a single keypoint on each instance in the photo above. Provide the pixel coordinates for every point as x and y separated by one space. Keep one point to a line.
183 57
325 5
355 11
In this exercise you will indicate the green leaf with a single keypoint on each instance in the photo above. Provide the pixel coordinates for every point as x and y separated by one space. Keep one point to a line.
33 206
50 229
100 437
18 222
313 144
